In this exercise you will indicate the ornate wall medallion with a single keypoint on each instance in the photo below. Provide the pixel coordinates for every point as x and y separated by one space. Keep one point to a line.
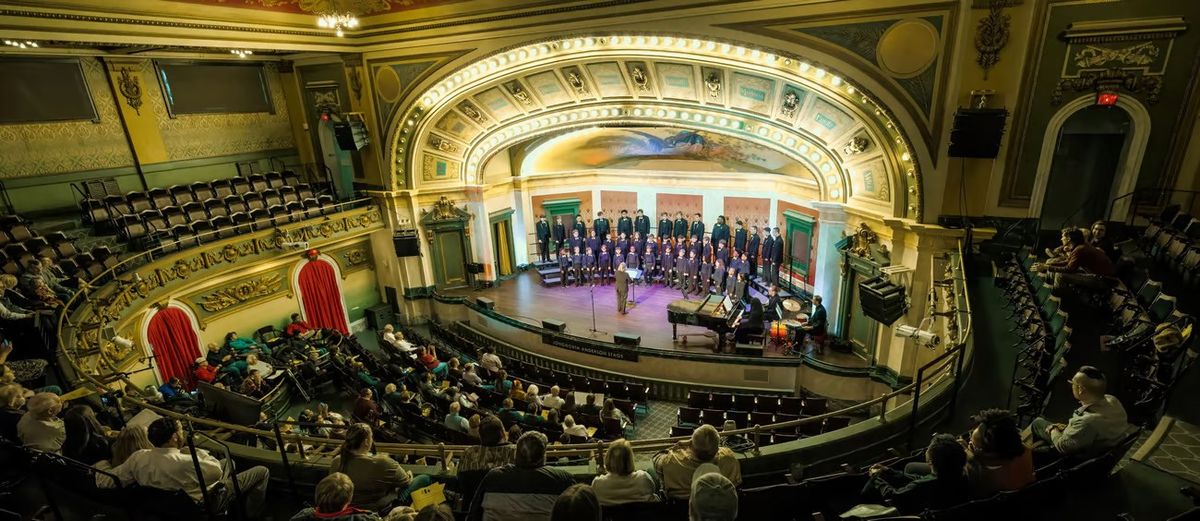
131 89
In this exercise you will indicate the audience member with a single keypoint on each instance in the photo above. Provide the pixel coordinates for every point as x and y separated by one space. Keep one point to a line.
473 425
531 395
40 427
454 368
331 501
35 286
524 490
552 400
253 385
508 413
471 375
711 496
518 391
169 466
297 327
1085 266
577 503
610 411
489 361
173 388
439 512
455 421
9 310
378 479
365 408
621 482
12 400
204 372
1101 241
429 359
571 428
589 407
945 485
1099 422
130 440
397 341
493 450
676 465
86 440
997 459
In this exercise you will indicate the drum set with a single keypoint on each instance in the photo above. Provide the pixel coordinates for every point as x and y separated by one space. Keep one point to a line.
785 334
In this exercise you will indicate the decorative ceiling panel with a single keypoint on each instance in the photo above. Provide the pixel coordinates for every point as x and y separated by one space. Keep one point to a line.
608 78
753 93
497 104
548 88
677 80
358 7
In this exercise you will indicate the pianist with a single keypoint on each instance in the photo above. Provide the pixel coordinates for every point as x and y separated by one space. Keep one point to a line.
751 323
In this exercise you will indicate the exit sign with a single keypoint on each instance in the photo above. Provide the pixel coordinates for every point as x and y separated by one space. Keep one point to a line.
1106 99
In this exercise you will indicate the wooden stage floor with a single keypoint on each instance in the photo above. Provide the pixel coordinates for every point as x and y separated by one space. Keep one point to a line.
524 298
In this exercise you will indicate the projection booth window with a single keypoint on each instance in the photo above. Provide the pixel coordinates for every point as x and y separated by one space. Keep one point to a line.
41 90
213 88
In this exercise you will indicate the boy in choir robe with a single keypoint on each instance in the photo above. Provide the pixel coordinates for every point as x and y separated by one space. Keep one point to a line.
576 241
648 261
704 277
744 266
604 264
564 265
559 234
680 228
667 266
731 284
739 288
695 246
692 275
543 239
735 262
752 251
622 245
589 265
600 225
718 277
633 259
720 231
706 250
580 226
764 258
652 243
593 243
641 223
722 253
739 238
681 263
618 258
625 224
577 266
697 231
665 226
638 241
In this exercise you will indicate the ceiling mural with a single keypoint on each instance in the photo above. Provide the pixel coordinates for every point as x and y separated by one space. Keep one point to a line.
654 148
358 7
689 101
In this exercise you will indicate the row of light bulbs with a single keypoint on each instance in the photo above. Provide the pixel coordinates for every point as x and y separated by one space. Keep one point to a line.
241 53
22 44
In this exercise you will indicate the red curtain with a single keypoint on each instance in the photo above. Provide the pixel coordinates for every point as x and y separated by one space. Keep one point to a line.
322 299
175 344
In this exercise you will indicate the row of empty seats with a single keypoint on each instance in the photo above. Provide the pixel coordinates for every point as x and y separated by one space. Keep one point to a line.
20 243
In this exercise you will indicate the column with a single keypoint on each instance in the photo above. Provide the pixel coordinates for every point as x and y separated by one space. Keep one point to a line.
831 227
480 230
523 222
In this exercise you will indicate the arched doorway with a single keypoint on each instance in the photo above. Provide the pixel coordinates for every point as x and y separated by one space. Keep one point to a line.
321 296
1084 169
173 341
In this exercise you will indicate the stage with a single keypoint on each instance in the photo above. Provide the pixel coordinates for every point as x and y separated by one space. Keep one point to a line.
524 298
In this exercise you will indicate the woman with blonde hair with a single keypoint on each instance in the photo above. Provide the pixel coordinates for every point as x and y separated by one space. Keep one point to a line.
40 427
622 482
130 440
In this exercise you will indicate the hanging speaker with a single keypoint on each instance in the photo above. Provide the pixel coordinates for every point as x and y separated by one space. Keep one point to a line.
977 133
406 243
881 299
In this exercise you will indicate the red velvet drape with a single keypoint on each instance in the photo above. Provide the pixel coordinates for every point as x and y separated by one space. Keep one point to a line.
175 344
322 299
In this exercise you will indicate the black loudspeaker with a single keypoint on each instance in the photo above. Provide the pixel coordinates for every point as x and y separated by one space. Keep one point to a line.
627 339
378 316
486 303
557 326
406 243
977 132
881 299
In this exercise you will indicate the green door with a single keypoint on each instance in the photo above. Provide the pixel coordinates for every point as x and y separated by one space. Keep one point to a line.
798 237
449 261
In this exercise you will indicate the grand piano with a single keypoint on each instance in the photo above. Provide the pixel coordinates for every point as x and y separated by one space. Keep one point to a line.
715 312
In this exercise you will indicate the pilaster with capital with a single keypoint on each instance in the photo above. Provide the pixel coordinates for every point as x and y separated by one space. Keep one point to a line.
831 221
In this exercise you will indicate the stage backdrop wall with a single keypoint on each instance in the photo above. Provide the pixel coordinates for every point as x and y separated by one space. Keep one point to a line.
671 203
585 203
752 211
612 202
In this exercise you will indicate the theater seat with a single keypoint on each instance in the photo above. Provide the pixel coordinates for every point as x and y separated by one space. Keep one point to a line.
272 197
305 191
20 233
203 191
240 185
138 201
160 198
235 204
261 219
39 247
275 180
289 193
174 215
93 211
215 208
258 182
117 205
291 178
195 212
223 225
241 222
182 195
222 188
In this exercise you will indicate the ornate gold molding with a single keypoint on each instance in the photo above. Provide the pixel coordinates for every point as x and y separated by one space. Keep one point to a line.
992 35
241 292
862 240
131 89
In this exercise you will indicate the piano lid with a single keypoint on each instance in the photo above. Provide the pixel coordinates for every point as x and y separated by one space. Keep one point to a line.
715 306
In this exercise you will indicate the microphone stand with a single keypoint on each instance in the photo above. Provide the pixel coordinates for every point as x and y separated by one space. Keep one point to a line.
592 294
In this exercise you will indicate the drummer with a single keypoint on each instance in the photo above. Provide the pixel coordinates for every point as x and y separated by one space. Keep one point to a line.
816 325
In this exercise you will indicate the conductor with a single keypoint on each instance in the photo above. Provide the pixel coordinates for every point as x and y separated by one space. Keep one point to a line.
622 285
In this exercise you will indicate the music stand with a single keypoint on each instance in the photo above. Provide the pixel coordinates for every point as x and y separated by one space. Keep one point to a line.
635 275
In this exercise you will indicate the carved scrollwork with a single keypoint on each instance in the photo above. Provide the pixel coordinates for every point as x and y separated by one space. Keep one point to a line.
712 83
856 145
471 111
640 80
992 35
862 240
576 82
1092 56
241 292
1132 81
131 89
519 92
790 101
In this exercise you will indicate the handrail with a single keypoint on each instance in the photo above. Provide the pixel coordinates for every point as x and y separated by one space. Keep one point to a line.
1131 214
935 368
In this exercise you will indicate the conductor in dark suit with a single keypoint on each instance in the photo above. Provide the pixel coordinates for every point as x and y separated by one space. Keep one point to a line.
543 238
559 233
776 255
641 224
680 229
665 227
622 288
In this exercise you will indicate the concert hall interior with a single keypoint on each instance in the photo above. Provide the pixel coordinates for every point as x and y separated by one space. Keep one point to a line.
599 259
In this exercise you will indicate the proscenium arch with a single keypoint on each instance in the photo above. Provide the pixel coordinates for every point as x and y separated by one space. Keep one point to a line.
509 96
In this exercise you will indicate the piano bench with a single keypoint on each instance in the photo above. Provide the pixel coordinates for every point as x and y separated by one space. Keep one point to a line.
753 349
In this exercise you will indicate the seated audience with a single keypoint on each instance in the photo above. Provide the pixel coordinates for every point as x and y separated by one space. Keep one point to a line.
254 386
173 389
473 425
429 359
12 400
531 395
676 465
9 310
568 406
508 413
297 327
204 371
40 427
622 482
455 421
518 391
1085 266
168 467
454 368
242 345
50 275
365 408
471 376
711 496
1099 423
589 408
552 400
331 501
527 489
610 410
86 441
378 479
489 361
493 450
35 287
397 341
440 512
130 440
577 503
1103 242
997 459
264 369
945 485
571 428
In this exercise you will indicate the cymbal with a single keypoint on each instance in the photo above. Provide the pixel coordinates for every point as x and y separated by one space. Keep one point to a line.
792 305
792 323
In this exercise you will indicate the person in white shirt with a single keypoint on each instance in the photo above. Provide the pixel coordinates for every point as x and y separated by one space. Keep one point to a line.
553 400
1099 423
622 483
471 376
570 428
40 427
169 466
489 361
397 341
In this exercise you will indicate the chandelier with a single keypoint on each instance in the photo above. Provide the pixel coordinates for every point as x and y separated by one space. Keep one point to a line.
338 21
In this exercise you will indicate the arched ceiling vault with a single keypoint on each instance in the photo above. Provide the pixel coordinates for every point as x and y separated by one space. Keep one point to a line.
794 106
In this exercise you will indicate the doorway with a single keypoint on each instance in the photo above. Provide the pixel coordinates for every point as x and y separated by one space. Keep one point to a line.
1089 152
502 243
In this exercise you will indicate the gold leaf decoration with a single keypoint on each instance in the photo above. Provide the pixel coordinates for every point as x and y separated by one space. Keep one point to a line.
241 292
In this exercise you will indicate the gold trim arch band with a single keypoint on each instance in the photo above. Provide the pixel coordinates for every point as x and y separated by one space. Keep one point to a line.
848 140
